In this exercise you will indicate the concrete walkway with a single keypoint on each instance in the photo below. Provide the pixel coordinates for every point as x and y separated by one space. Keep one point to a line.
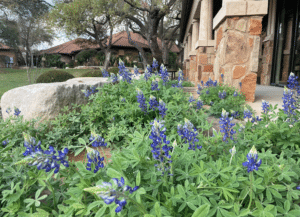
271 94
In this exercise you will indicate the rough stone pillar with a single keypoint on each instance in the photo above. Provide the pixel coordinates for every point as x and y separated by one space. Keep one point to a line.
237 52
206 20
265 77
195 33
190 43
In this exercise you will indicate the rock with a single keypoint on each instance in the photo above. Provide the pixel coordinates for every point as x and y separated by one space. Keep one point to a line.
46 100
67 68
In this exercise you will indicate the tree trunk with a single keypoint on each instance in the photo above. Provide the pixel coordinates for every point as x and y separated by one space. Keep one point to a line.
107 58
156 52
165 53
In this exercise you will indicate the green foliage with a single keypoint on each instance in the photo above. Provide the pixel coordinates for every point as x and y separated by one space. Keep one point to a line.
114 70
83 56
71 64
207 182
184 83
230 102
94 73
53 60
173 60
54 76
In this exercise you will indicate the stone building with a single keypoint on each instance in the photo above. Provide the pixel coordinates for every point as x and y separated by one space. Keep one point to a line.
120 47
7 54
248 41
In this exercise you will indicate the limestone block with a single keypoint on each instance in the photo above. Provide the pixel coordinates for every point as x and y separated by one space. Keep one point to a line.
237 51
205 76
250 42
208 68
199 72
210 50
249 86
241 25
202 59
255 55
255 26
219 36
235 8
257 7
46 100
238 72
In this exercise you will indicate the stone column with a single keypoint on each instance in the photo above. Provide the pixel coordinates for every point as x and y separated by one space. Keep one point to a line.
195 33
206 20
190 42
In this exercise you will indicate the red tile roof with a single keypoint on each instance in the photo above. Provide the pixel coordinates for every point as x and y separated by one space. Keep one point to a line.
118 40
4 47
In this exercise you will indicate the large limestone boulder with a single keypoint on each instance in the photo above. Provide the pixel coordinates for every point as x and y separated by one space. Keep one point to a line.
46 100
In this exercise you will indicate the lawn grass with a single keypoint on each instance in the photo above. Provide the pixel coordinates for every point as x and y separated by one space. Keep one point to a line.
13 78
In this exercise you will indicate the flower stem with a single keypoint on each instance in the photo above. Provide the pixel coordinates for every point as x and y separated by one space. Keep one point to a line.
251 183
53 194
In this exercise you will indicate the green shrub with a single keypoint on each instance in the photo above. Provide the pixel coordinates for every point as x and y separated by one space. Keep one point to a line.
94 73
83 56
54 76
71 64
53 60
114 70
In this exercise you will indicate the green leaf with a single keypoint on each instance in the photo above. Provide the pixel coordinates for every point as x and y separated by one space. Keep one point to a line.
157 209
101 211
113 173
181 191
138 178
78 151
202 211
81 141
244 212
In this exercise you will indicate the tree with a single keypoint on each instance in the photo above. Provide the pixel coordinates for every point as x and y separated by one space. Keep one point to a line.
145 17
88 18
140 49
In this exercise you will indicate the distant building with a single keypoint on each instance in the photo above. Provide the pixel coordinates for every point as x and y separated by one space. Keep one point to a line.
7 56
120 47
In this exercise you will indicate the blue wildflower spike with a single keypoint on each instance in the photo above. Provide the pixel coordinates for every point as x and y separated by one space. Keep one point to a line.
17 112
153 103
99 141
93 156
226 126
252 163
162 108
154 85
188 133
113 192
141 100
247 112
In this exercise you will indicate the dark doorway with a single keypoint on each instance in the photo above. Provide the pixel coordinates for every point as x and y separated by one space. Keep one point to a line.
286 57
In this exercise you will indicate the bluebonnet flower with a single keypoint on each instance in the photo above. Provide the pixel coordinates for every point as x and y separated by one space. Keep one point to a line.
226 126
234 114
147 75
292 82
136 71
17 112
153 103
210 83
199 89
202 83
235 94
222 95
215 83
154 85
87 93
189 133
93 156
252 163
113 78
141 100
149 68
164 75
104 73
298 187
191 99
162 108
42 159
5 142
222 75
8 110
241 127
125 75
180 78
155 64
99 141
257 119
211 103
265 106
240 84
122 99
232 152
199 103
207 92
288 102
247 113
113 192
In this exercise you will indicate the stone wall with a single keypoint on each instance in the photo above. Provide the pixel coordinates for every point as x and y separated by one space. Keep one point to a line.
265 77
237 52
205 68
